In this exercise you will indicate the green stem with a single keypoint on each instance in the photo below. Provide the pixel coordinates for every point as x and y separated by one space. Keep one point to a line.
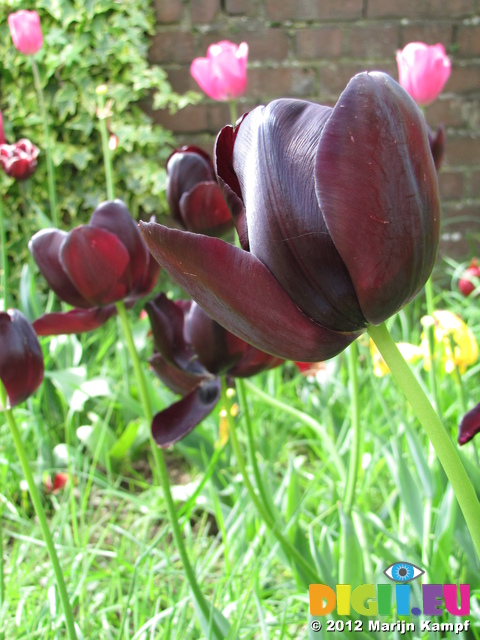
442 443
233 111
107 160
52 191
242 396
290 551
4 256
336 460
161 469
430 331
42 519
353 467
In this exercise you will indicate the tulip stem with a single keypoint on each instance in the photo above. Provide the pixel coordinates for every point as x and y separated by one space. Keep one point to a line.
102 113
441 442
306 571
352 473
42 519
4 256
161 468
52 192
233 112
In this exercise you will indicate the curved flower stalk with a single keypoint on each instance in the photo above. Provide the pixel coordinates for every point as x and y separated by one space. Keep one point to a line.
222 75
192 352
92 267
196 201
19 160
337 211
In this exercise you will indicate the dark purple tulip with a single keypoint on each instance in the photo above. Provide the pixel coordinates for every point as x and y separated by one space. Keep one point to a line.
19 160
469 426
337 210
191 351
195 199
436 140
92 267
21 358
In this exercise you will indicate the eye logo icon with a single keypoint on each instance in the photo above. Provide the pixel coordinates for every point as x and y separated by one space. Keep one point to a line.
403 572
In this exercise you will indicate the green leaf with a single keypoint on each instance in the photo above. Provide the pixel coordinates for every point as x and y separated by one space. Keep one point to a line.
126 440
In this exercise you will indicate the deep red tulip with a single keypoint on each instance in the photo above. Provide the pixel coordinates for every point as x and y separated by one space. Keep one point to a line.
466 284
191 351
19 160
437 145
223 73
21 358
92 267
338 215
26 31
195 199
469 426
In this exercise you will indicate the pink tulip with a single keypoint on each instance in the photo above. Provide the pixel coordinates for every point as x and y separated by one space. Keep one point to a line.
26 31
2 133
223 73
423 71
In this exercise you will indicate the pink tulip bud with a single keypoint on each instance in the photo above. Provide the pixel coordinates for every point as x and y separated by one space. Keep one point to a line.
26 31
466 284
2 133
423 71
223 73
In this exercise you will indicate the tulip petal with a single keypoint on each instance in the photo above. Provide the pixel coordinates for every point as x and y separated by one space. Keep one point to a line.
45 247
95 261
274 160
469 426
113 216
74 321
204 210
185 168
384 220
175 422
252 362
21 358
241 294
180 381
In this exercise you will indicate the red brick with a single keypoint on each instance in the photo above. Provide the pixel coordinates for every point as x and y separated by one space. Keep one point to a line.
430 33
451 185
263 44
463 79
181 80
172 46
474 190
313 9
204 11
420 8
447 111
240 7
270 83
468 40
325 42
168 10
374 42
462 151
190 119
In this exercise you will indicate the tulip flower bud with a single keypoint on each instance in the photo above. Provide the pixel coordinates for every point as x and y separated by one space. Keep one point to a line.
21 358
195 199
26 31
466 284
423 71
223 73
337 211
437 145
19 160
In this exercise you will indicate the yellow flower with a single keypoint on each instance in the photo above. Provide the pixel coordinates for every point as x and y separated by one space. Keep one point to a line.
410 352
456 342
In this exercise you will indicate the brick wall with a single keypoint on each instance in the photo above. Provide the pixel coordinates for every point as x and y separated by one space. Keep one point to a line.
311 48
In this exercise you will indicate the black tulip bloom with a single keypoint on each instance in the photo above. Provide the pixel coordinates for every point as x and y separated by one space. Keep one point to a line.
337 211
19 160
194 197
21 358
469 425
437 145
92 267
191 352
